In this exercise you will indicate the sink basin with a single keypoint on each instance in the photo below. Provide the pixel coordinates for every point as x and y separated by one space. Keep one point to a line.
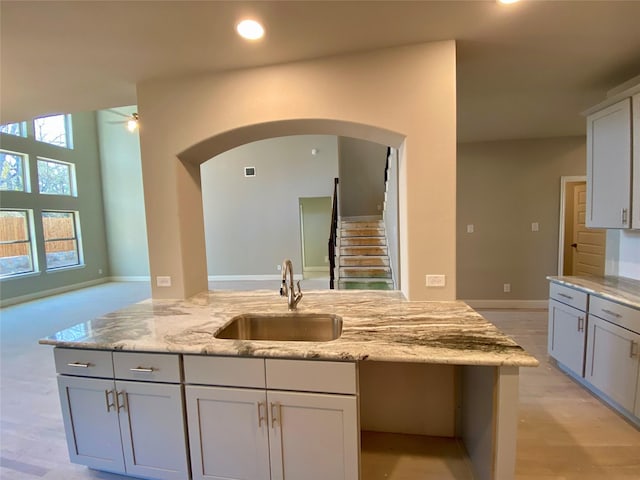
288 327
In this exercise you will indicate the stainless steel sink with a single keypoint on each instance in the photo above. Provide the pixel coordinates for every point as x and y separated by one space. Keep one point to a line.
287 327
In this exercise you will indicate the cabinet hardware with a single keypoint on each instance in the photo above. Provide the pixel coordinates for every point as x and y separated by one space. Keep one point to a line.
79 364
624 216
581 324
260 417
273 415
633 352
565 296
125 401
609 312
142 369
106 399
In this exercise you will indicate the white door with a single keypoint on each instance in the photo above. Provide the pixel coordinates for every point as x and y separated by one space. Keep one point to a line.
609 166
152 429
313 436
228 433
91 422
567 336
612 361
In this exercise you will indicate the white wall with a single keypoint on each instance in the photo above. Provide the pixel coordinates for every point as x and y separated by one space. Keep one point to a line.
403 97
123 195
623 253
391 216
252 224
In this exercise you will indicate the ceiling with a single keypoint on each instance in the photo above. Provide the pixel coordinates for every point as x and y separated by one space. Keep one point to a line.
525 70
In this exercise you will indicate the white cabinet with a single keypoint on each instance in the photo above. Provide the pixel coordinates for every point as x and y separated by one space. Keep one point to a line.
635 188
261 433
133 427
613 363
567 335
609 150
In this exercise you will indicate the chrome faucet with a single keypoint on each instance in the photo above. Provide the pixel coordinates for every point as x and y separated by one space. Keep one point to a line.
286 290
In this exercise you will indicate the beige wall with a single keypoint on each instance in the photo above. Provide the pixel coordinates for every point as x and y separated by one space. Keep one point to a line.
503 187
400 97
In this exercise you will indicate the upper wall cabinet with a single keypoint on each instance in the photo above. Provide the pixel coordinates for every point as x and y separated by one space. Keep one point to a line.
613 141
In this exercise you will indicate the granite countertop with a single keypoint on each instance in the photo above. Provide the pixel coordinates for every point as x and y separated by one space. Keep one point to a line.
379 326
617 289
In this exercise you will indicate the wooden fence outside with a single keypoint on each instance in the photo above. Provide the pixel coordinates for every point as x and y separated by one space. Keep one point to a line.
15 228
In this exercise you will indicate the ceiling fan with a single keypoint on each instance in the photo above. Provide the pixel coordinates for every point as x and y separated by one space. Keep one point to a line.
132 121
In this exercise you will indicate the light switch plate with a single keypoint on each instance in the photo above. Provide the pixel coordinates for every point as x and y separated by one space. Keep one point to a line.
535 226
470 228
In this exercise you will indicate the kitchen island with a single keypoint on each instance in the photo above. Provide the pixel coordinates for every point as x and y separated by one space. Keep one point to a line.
399 368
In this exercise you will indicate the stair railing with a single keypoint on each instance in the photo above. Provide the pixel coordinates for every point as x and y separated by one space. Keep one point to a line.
333 235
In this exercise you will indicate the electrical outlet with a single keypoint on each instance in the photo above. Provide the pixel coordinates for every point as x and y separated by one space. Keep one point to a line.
470 228
535 226
163 281
435 280
506 288
99 271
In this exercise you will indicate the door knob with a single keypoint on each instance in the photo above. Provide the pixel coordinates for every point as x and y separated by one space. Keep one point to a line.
574 245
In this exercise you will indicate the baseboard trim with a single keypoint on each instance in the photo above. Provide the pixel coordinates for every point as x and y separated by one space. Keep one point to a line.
130 279
498 304
232 278
6 302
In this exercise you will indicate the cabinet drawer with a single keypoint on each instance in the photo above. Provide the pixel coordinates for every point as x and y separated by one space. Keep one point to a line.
311 376
621 315
568 296
147 367
86 363
224 371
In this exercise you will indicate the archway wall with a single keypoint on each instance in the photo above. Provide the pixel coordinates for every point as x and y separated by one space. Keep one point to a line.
403 96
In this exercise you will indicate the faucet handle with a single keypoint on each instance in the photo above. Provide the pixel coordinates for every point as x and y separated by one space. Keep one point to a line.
299 291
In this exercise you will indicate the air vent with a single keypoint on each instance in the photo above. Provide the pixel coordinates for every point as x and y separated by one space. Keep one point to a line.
249 171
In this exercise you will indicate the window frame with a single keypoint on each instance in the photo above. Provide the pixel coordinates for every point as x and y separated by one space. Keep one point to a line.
68 130
30 241
73 184
77 239
26 177
22 127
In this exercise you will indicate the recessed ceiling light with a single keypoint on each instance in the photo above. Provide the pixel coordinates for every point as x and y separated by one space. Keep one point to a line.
250 29
507 2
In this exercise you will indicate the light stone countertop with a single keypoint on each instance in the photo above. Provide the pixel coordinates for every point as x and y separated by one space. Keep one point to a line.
625 291
377 325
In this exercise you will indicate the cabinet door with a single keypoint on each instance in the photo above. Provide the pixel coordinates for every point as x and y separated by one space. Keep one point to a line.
635 205
609 167
566 340
91 422
228 433
313 436
153 430
612 361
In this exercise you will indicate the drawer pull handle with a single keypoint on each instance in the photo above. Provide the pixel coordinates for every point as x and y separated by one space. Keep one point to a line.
609 312
275 419
564 295
633 352
260 417
106 399
581 324
125 401
142 369
79 364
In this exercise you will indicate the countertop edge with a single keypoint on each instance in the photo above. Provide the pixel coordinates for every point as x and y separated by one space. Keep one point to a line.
579 284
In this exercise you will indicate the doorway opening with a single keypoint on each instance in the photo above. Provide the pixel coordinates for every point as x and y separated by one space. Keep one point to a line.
581 250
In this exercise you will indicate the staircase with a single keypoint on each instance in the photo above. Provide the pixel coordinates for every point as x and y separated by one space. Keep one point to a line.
362 255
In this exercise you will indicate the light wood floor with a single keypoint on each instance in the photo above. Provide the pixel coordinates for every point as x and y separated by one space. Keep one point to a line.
564 432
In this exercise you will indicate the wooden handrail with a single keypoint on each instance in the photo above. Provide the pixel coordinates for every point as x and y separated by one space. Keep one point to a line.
333 235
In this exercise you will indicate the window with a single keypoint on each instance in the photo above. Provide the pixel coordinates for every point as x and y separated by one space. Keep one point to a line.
16 248
18 129
56 178
60 239
12 175
55 130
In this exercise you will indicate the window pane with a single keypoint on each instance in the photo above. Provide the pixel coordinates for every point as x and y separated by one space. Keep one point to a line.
60 242
15 245
19 129
52 130
12 173
55 177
